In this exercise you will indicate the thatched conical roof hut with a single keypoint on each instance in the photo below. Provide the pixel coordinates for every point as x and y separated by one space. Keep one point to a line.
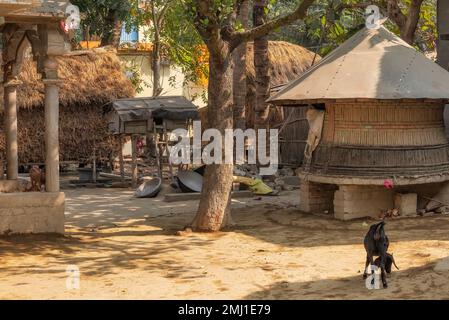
376 109
92 79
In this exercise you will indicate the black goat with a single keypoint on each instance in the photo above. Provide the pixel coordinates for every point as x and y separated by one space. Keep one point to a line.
376 244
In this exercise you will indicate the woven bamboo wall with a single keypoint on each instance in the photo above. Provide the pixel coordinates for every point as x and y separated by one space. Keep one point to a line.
294 130
383 138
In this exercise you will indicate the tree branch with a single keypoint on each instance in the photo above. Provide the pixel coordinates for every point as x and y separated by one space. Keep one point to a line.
210 32
409 30
164 9
235 38
395 13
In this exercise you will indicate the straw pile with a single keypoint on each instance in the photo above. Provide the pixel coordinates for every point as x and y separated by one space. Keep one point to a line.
91 80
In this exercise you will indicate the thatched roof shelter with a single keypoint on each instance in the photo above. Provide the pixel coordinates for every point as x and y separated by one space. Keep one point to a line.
92 79
287 62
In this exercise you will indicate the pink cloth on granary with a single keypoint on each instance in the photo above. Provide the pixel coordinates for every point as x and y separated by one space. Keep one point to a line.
388 184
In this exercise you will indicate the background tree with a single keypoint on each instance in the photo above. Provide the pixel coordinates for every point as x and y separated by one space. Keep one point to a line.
261 65
105 18
443 32
240 64
331 22
152 14
406 22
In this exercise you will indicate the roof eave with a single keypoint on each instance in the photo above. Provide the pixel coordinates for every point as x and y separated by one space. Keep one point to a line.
306 102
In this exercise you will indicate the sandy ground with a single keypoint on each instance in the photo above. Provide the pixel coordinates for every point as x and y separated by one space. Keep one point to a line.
128 249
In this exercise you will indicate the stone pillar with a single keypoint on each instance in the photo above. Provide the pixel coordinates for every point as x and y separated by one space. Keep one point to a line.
10 102
51 125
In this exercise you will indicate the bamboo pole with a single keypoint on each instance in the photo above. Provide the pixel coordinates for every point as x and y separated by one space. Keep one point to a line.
94 166
122 164
134 161
2 176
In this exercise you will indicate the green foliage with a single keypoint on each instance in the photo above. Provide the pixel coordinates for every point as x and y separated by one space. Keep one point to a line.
95 14
427 33
132 70
331 22
180 41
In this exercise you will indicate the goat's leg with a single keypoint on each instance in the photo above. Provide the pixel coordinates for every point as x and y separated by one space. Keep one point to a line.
368 260
383 273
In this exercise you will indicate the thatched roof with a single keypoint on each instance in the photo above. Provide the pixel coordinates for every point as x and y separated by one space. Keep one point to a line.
287 61
90 78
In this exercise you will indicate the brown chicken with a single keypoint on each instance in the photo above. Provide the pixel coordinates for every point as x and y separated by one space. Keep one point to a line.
37 177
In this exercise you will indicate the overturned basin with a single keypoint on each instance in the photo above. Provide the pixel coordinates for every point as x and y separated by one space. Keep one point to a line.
190 181
149 189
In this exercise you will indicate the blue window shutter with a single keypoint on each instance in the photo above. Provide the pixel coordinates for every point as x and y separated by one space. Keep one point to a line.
132 36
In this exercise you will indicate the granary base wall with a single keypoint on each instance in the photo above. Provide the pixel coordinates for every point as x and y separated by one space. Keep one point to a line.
348 202
23 213
351 202
316 197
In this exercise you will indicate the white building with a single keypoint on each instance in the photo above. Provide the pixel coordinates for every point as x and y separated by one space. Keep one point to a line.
135 52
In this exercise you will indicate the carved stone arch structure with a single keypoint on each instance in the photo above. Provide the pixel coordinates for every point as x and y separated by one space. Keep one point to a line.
37 25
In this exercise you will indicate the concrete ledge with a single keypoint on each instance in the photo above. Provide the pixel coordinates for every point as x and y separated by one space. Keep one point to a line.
370 181
7 186
22 213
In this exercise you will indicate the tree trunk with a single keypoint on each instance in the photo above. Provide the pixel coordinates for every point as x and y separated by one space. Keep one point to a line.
261 64
112 30
215 197
408 31
214 208
407 24
239 75
443 33
156 65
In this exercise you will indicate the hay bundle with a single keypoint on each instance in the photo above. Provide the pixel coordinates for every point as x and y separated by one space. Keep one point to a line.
91 80
287 62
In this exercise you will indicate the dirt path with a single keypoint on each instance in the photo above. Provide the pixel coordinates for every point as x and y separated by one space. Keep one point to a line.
127 249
